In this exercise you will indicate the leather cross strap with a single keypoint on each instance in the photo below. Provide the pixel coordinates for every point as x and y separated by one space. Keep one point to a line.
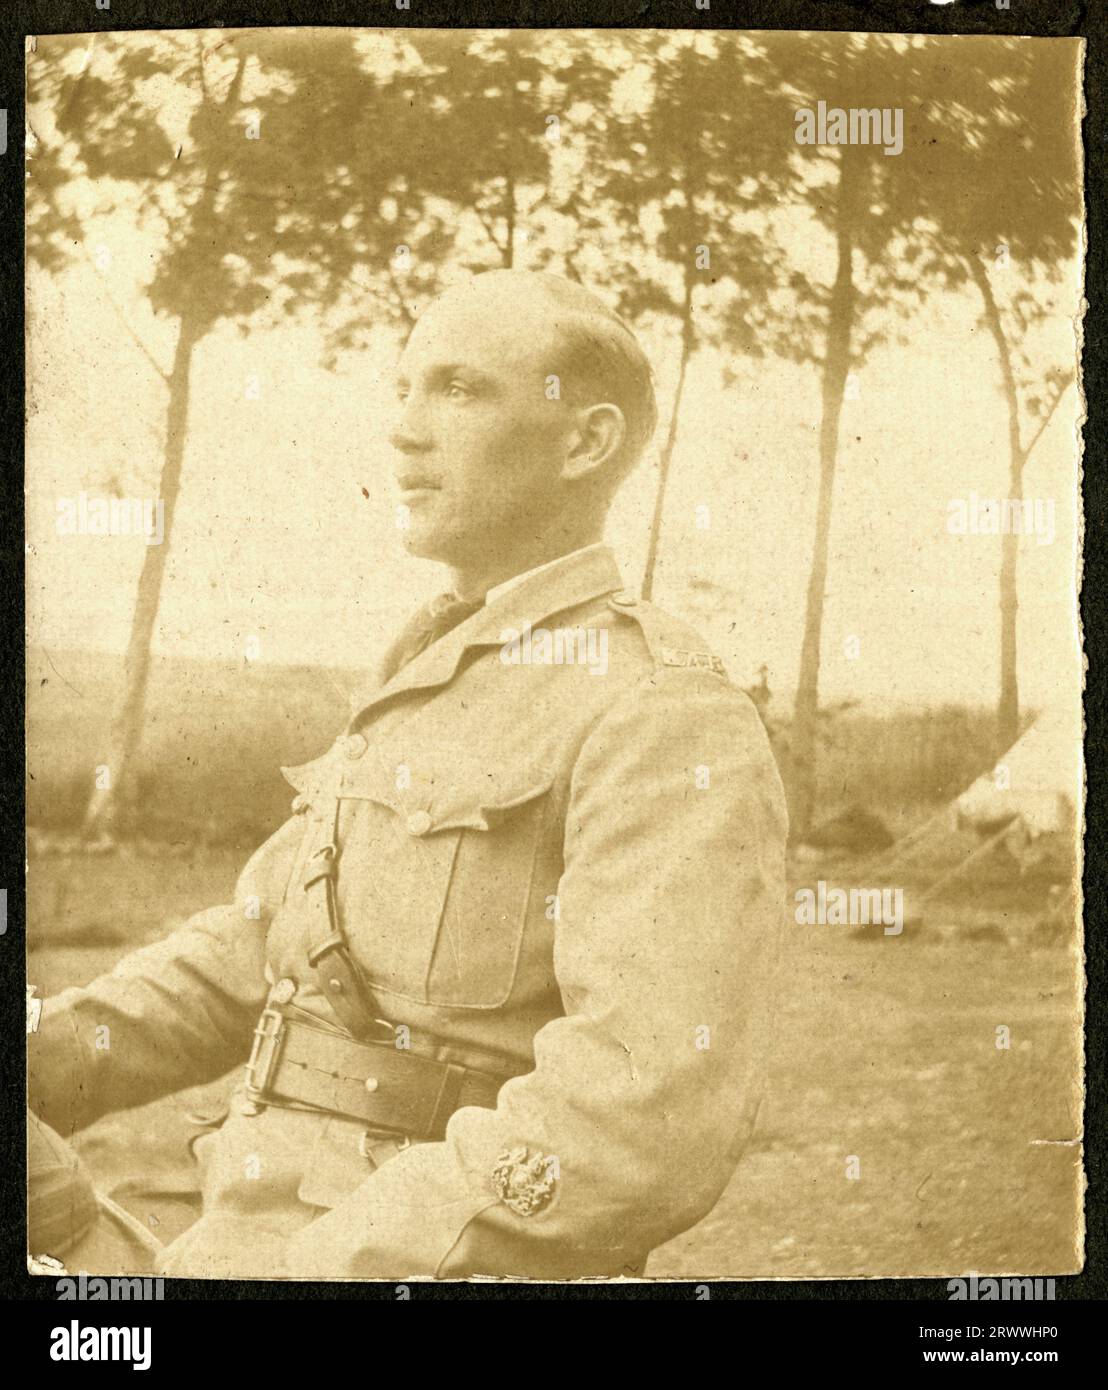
389 1089
336 972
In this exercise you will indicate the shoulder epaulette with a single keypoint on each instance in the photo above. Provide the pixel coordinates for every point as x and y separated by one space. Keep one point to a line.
671 642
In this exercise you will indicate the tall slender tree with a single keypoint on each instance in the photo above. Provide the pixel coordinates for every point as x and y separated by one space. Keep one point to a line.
987 161
267 131
672 203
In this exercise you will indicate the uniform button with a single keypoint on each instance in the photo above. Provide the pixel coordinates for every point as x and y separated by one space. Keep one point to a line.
625 598
336 985
419 822
283 991
371 1083
299 803
355 746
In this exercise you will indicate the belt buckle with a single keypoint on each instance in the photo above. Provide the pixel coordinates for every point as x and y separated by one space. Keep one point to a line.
268 1035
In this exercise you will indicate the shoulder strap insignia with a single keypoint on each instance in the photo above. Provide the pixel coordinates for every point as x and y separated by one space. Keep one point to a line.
701 661
662 633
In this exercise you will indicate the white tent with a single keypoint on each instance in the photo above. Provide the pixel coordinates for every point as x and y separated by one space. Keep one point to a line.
1029 804
1038 782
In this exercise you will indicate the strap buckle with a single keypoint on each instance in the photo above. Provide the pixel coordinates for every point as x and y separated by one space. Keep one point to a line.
268 1036
369 1138
320 864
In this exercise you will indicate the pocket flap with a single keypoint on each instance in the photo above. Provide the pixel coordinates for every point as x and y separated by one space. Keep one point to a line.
436 790
482 804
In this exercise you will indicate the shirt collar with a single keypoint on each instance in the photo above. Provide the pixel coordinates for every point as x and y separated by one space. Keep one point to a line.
570 557
528 598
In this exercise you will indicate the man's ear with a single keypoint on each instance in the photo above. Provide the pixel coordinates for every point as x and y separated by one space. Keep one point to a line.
598 437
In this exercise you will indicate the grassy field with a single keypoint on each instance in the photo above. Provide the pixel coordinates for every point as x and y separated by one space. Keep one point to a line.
216 733
886 1052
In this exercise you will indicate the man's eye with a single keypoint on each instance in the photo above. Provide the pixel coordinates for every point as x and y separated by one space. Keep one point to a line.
457 392
401 394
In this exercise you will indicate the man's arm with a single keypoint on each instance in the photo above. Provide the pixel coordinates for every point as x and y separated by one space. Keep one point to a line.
175 1013
643 1095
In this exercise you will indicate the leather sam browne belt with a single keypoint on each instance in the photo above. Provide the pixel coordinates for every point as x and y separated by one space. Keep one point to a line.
389 1089
397 1091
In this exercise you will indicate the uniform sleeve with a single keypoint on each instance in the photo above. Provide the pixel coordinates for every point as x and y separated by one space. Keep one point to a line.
176 1013
643 1095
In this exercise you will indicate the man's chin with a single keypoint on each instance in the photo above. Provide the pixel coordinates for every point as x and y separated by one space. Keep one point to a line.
424 542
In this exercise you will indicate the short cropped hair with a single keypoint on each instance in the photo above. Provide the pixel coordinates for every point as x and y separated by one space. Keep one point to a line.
601 362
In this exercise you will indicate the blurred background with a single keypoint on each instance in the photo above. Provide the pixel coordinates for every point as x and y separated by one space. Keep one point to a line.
860 358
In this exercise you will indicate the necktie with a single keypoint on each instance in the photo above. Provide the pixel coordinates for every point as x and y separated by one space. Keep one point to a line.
438 618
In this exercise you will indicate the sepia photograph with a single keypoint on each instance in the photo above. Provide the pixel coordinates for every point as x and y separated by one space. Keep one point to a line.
554 666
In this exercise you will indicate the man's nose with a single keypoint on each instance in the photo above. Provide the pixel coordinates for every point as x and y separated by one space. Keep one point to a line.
409 435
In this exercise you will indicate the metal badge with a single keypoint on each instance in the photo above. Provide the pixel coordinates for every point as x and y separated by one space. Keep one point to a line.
524 1180
700 661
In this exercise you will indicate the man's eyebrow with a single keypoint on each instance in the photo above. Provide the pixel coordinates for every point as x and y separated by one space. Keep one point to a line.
445 370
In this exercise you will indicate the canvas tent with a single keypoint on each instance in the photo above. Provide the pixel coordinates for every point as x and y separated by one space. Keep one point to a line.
1038 781
1028 806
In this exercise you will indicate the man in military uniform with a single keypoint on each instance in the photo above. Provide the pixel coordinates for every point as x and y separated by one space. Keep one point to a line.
503 980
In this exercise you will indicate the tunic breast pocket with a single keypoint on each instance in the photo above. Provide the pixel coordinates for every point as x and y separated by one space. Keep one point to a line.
436 864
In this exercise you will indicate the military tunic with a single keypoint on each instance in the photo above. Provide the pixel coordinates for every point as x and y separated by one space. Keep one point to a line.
567 874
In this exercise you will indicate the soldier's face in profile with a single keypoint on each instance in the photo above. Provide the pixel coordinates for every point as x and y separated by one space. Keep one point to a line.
480 446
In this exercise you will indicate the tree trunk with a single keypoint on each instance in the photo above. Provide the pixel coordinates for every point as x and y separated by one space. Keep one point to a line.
111 805
836 367
509 255
109 808
671 439
1008 702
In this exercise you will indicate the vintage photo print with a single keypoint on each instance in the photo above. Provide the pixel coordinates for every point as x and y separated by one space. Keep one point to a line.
554 718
